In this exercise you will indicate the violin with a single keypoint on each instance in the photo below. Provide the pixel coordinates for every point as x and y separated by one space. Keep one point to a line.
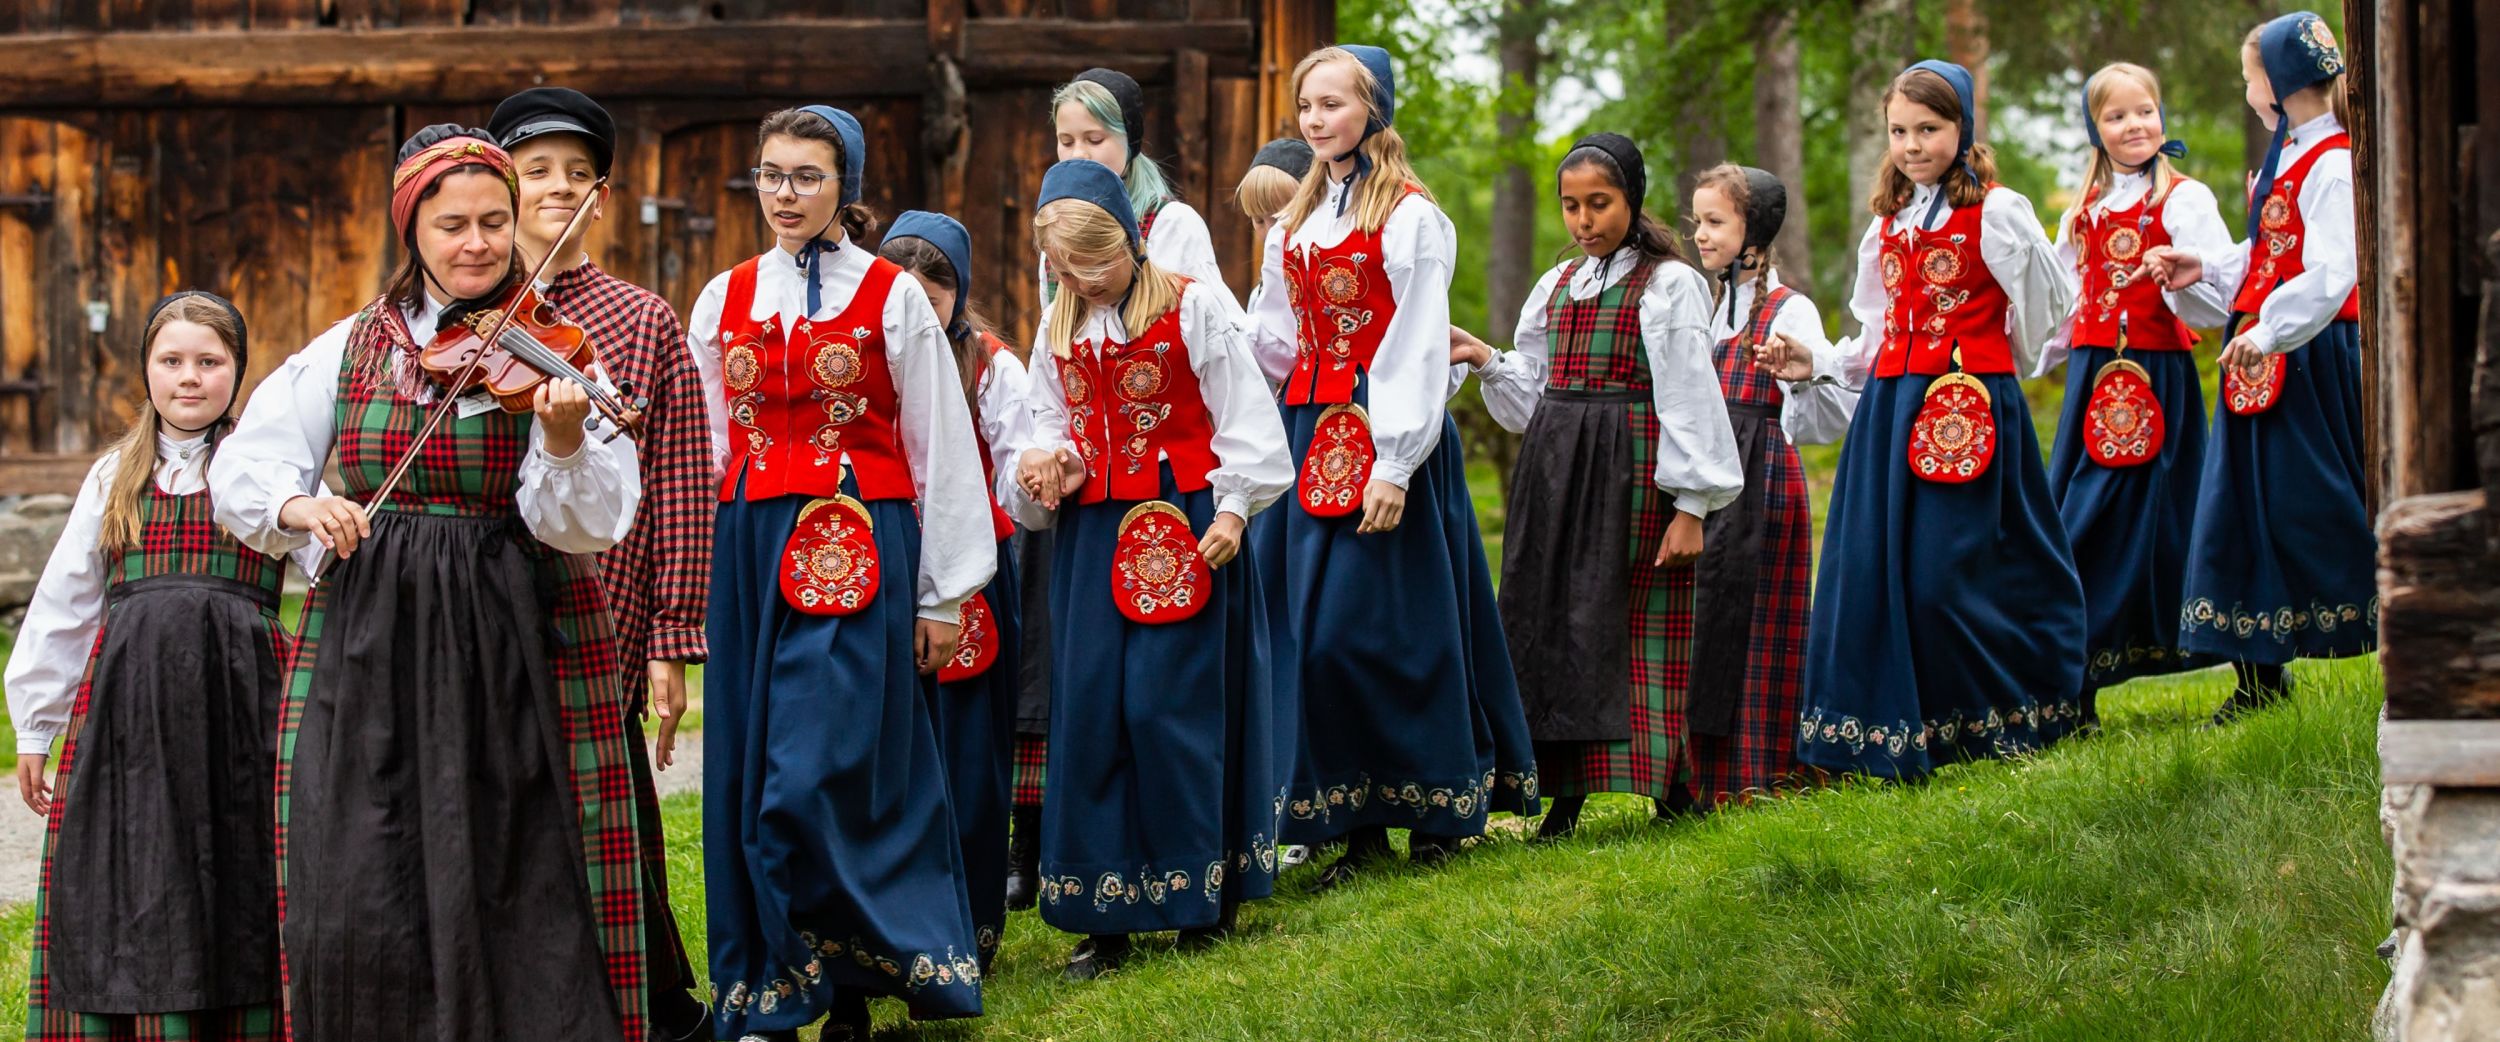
532 344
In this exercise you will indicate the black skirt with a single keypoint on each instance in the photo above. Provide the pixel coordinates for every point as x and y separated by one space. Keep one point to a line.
163 891
1565 620
436 886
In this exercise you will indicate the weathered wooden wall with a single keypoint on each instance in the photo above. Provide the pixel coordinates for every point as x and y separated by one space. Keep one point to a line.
244 146
2430 207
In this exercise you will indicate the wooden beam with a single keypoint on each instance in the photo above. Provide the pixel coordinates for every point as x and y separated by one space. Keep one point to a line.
36 475
2440 589
798 58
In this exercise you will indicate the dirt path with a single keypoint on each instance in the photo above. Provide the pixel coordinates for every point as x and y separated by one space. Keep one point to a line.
21 832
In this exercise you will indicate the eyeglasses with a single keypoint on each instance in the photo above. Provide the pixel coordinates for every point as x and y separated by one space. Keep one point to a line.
769 181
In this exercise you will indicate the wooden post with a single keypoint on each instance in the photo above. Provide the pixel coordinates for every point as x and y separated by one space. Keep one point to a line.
1189 120
945 124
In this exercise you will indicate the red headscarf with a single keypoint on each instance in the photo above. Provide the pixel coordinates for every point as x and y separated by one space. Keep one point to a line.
430 163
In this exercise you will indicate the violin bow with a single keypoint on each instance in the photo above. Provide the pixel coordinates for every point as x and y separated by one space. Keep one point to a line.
459 385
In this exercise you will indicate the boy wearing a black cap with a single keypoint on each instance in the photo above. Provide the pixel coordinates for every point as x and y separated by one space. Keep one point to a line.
563 144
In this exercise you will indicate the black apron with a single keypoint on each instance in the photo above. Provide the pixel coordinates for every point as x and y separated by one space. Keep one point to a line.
1728 576
162 894
1572 490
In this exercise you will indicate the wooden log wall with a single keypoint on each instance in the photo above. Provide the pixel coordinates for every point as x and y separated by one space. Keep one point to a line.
2429 204
244 146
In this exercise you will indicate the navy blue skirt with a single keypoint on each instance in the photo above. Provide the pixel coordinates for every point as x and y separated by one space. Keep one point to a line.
1165 778
830 854
2129 526
2283 563
976 724
1410 712
1948 622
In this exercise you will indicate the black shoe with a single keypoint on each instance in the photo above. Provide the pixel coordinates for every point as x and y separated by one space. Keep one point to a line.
1424 851
1097 955
1024 849
1677 806
2259 687
1363 848
848 1022
1205 937
1562 818
679 1017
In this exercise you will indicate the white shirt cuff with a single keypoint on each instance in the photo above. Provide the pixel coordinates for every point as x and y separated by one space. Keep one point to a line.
1235 504
580 454
1393 473
1692 503
35 743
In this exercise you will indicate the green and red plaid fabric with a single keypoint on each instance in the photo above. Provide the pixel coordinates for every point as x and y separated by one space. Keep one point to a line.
1032 762
1596 345
178 535
657 578
1739 378
1761 750
471 467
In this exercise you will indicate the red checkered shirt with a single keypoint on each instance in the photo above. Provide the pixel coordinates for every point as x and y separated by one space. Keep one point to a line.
656 579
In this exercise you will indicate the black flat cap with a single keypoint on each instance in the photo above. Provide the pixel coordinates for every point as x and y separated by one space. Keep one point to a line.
556 110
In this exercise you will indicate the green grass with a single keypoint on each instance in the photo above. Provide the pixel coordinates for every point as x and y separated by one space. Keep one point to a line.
2157 882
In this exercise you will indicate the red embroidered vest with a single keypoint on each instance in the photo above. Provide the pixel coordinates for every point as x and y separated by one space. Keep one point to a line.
1341 307
2274 248
1942 297
801 399
2112 244
1132 404
1000 524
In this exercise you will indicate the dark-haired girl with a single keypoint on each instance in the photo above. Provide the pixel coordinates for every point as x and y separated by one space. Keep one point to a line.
852 528
455 808
152 645
1628 449
1750 597
977 687
1948 621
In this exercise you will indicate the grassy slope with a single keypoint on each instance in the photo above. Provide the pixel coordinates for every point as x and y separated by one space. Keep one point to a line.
2158 882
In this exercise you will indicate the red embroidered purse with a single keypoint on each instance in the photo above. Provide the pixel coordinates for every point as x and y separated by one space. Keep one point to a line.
2122 423
976 642
2254 388
1339 463
1156 573
1955 435
830 564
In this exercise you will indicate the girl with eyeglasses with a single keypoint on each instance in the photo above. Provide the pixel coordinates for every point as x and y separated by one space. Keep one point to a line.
852 527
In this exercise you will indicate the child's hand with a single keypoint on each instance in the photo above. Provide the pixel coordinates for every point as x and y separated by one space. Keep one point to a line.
1784 359
933 642
1383 505
1222 542
30 784
338 523
1049 477
1682 544
1467 350
2241 353
2174 268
